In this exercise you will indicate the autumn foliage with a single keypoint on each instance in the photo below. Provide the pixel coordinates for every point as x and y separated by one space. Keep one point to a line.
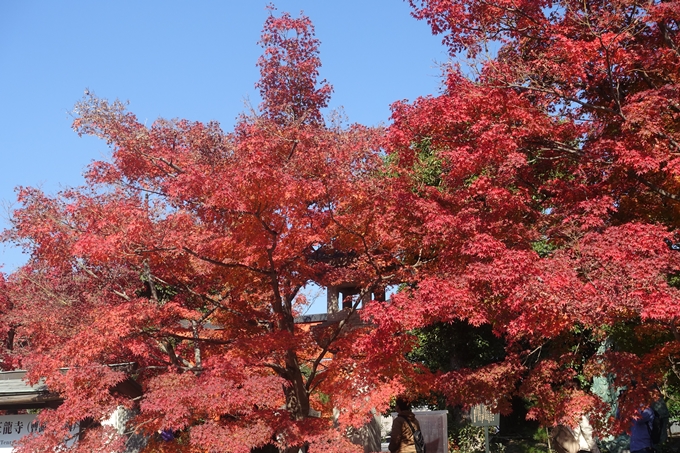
185 256
543 181
536 195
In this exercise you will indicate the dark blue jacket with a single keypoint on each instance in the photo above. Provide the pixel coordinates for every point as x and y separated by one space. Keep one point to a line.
640 429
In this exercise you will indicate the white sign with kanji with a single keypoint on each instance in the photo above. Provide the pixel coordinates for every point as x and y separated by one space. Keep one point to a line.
14 427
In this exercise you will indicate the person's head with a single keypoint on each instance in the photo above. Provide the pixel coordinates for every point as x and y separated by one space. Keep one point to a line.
402 404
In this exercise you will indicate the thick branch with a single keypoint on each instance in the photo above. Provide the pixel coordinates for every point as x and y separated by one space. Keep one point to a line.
278 369
228 265
657 189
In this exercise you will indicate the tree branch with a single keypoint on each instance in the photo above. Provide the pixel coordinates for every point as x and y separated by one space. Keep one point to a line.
335 335
657 189
278 369
228 265
171 165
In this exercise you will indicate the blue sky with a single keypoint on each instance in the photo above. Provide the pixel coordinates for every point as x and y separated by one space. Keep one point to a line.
180 59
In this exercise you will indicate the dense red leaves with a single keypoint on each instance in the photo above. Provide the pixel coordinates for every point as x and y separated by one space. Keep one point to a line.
541 192
534 198
185 255
558 402
289 67
7 327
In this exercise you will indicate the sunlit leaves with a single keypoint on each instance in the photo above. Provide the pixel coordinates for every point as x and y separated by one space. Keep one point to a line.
554 161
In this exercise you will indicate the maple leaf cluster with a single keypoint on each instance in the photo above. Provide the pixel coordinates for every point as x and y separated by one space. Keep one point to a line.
535 197
543 187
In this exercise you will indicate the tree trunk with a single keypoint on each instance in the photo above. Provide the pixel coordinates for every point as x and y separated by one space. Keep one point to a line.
297 398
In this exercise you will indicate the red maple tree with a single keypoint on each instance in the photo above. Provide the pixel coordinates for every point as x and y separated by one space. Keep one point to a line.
185 256
544 186
538 197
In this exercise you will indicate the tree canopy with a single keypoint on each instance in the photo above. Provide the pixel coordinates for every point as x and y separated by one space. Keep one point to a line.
536 196
544 185
185 254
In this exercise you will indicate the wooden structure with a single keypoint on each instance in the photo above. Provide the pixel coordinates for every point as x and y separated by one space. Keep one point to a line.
342 297
16 394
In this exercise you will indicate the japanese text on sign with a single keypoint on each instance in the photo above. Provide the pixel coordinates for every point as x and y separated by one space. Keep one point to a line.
14 427
481 416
